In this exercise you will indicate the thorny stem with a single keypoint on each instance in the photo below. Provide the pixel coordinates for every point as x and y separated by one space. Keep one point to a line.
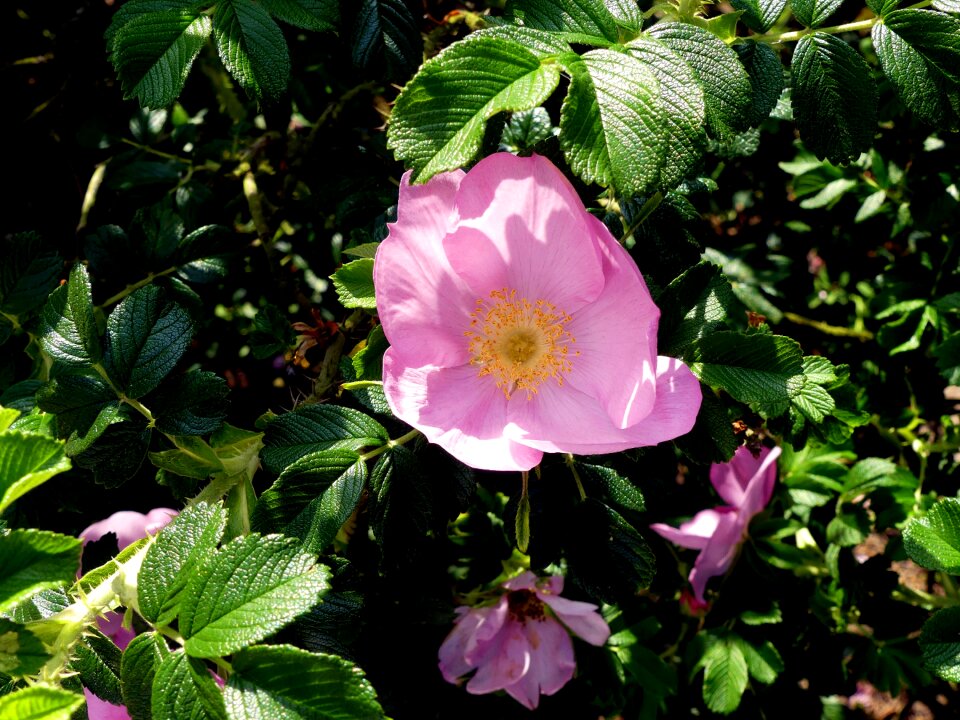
402 440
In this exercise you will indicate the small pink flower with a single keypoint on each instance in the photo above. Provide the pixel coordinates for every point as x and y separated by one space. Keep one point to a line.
519 644
129 527
518 325
746 483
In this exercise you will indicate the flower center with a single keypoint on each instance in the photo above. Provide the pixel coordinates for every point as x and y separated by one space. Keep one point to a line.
524 605
518 342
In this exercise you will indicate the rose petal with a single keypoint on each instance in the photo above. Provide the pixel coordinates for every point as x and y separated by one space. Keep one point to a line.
552 663
524 581
507 665
98 709
696 532
523 227
453 664
718 555
582 618
127 525
456 409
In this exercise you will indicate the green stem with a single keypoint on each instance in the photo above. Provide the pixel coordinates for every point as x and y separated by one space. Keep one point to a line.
823 327
792 35
571 463
357 384
402 440
113 299
152 151
135 404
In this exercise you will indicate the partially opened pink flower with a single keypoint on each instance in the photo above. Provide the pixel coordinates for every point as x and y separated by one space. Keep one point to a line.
519 644
518 325
128 526
746 483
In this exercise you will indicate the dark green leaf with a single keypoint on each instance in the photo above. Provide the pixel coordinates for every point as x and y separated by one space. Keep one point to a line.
834 98
934 539
611 487
194 403
84 406
438 120
21 652
848 528
354 284
386 34
760 15
307 14
252 47
752 368
118 453
39 703
282 682
935 36
525 129
403 502
26 462
146 336
813 13
174 557
368 361
249 589
183 689
153 53
695 304
311 428
765 70
28 272
940 645
138 667
97 660
271 334
31 560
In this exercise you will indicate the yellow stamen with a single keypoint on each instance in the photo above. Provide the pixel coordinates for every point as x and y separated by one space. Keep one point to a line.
520 343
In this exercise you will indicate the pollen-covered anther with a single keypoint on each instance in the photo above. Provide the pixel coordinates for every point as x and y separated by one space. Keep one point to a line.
520 343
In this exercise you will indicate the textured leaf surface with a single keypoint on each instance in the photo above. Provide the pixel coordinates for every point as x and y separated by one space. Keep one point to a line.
940 644
934 35
138 666
249 589
97 660
765 70
153 53
725 675
834 98
386 32
814 13
726 86
525 129
84 406
934 539
610 124
183 689
28 272
286 683
582 21
175 556
31 560
59 333
311 428
438 121
39 703
194 403
752 368
252 47
354 284
146 336
306 14
27 461
611 487
760 15
691 306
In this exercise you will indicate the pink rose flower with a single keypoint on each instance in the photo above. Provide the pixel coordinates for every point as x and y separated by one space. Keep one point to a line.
519 644
746 483
129 527
518 325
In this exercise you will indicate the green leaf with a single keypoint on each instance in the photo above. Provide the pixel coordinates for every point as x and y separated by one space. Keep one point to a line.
307 14
249 589
97 660
438 120
693 305
368 361
118 453
28 272
313 497
31 560
138 666
403 501
934 539
760 15
21 652
872 473
611 487
252 47
282 682
765 71
727 91
611 120
84 405
26 462
763 661
947 6
311 428
834 98
386 33
153 53
174 557
813 13
848 528
525 129
579 21
682 108
940 645
59 332
919 51
39 703
725 674
752 368
194 403
146 336
183 689
354 284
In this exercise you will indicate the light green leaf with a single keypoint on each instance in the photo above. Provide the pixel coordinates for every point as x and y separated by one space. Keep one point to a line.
873 473
21 652
580 21
763 661
39 703
26 462
752 368
834 98
248 590
610 124
174 557
146 336
307 14
252 47
934 539
813 13
727 90
31 560
760 15
354 284
725 674
282 682
183 689
438 120
311 428
871 206
138 666
364 250
59 333
940 645
153 52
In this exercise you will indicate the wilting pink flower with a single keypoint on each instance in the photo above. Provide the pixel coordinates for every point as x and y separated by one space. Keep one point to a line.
518 325
129 527
519 644
746 483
